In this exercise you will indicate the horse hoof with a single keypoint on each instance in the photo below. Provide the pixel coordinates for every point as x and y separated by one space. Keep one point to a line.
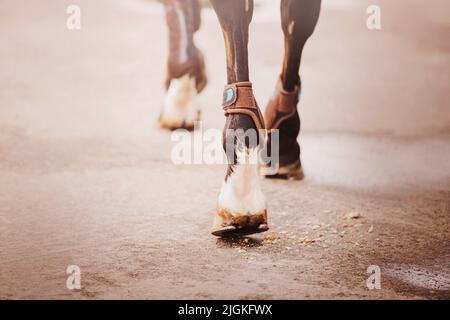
292 171
231 231
180 110
167 123
229 224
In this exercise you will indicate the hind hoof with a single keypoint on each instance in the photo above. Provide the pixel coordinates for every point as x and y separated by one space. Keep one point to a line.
180 108
166 123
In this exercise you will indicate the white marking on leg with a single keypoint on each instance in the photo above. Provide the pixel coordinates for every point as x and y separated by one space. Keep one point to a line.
180 102
241 193
291 27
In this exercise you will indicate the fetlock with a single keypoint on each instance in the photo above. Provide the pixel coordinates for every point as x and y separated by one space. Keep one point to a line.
194 67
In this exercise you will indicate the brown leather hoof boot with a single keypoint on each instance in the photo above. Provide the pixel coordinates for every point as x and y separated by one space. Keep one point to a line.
281 114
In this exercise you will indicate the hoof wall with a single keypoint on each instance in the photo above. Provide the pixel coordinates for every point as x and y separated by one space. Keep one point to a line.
232 231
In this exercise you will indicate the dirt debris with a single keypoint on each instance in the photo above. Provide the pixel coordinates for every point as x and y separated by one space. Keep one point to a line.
353 215
306 241
271 237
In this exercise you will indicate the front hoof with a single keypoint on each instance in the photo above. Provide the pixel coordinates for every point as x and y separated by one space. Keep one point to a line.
227 224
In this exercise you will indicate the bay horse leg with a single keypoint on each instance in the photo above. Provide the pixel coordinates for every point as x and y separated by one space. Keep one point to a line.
241 204
186 76
298 20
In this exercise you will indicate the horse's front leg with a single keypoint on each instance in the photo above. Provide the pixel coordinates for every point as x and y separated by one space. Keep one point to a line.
298 20
241 205
186 75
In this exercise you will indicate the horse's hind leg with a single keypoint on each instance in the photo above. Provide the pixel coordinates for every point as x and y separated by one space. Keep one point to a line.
185 68
298 20
241 205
